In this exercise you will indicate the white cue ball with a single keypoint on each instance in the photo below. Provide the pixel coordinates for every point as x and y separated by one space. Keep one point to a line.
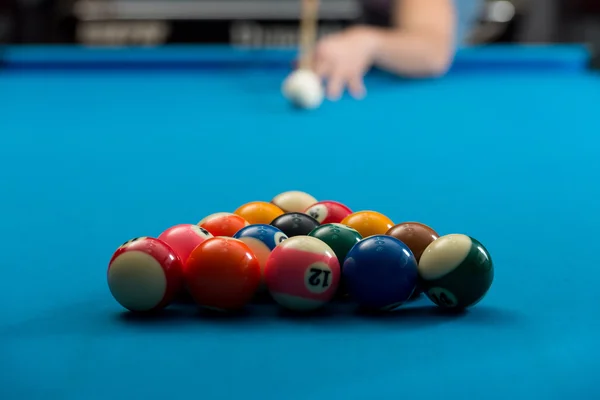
303 88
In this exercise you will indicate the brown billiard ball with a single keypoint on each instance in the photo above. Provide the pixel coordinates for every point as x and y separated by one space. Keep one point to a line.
415 235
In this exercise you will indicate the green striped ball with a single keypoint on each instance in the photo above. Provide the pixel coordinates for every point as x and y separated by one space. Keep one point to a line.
456 271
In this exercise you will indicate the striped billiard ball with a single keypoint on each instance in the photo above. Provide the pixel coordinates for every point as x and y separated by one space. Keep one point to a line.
380 273
328 212
456 271
302 273
262 240
223 223
293 201
184 238
144 274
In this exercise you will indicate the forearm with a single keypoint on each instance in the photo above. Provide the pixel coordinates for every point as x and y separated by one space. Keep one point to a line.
411 54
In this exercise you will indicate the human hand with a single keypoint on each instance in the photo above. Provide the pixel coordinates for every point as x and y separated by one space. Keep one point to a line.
343 59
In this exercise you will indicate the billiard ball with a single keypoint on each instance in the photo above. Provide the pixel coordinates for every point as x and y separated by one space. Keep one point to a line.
417 237
456 271
293 201
328 212
222 274
295 224
368 223
223 224
259 212
144 274
302 273
341 238
303 88
262 240
380 273
184 238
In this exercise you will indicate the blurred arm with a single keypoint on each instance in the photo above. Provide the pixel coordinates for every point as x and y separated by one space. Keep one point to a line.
422 42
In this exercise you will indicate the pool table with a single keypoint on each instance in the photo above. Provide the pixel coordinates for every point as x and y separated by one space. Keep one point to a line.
102 145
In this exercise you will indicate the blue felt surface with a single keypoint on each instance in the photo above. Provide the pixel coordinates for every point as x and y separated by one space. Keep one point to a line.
89 160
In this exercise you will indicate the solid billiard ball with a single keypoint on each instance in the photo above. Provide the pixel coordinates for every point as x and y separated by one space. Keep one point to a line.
259 212
368 223
415 235
222 274
302 273
144 274
380 273
328 212
223 224
293 201
295 224
456 271
184 238
262 240
341 238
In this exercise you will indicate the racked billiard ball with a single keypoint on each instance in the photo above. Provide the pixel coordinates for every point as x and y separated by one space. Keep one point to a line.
259 212
262 240
184 238
456 271
415 235
380 273
223 223
295 224
293 201
144 274
368 223
222 274
341 238
302 273
328 212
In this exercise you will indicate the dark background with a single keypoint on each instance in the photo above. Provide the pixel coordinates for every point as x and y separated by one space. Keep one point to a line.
260 23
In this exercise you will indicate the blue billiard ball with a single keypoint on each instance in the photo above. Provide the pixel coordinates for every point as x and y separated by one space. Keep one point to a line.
261 239
380 273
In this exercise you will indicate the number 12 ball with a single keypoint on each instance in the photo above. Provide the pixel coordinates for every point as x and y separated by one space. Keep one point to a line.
456 271
380 273
302 273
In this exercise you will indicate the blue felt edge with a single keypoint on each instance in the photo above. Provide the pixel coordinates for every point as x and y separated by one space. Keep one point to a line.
506 57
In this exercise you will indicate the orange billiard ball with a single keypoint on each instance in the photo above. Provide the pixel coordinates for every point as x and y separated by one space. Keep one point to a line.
368 223
222 274
144 274
223 224
259 212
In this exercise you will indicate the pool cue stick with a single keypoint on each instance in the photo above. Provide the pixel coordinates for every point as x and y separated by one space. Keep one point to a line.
308 32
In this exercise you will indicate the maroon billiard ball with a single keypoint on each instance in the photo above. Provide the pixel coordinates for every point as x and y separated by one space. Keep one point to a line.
145 274
328 212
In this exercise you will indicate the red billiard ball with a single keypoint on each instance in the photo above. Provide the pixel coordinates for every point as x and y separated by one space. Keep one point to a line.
328 212
145 274
223 224
302 273
222 274
184 238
